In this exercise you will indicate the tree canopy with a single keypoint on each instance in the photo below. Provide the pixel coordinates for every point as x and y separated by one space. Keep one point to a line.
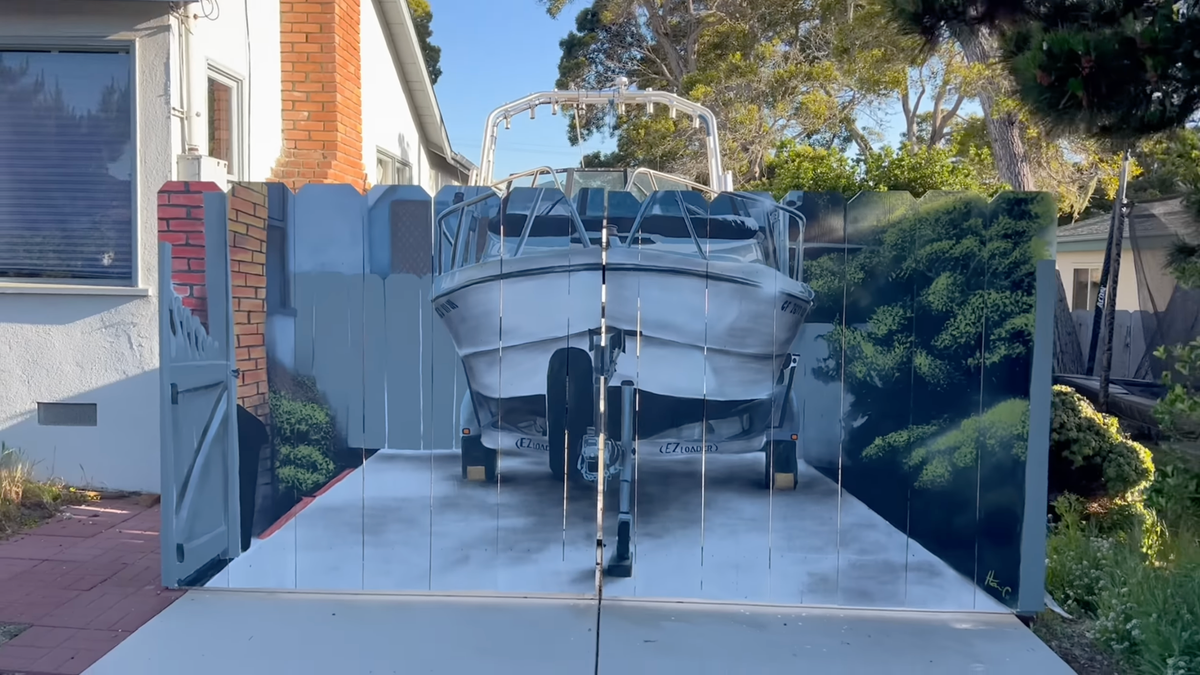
1116 71
423 23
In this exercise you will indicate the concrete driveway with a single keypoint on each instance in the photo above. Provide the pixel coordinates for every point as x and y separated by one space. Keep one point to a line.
235 632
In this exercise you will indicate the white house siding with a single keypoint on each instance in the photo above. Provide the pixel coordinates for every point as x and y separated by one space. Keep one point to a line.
388 118
1154 259
102 347
225 46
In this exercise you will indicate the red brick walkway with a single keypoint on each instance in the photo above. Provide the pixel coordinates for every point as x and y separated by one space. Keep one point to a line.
83 583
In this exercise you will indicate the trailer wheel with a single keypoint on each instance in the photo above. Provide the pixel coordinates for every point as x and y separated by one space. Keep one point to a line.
781 465
478 461
570 410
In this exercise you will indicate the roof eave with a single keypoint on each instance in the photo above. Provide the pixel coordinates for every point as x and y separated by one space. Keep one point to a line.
398 23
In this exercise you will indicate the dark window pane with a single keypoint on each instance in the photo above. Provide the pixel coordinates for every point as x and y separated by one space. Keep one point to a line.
66 166
220 121
1080 289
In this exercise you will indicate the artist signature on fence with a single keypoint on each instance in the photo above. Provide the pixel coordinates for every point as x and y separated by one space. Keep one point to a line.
992 582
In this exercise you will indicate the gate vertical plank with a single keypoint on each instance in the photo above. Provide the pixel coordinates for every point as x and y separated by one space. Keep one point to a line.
220 325
167 472
198 413
375 359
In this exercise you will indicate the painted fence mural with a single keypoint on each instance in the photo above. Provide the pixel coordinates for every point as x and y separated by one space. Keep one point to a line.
829 399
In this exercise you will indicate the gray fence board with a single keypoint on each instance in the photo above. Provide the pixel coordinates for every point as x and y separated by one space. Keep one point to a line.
353 376
402 297
1129 340
375 357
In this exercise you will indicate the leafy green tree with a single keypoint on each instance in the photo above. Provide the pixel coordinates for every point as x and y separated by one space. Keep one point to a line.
1170 163
1115 71
423 23
914 170
771 71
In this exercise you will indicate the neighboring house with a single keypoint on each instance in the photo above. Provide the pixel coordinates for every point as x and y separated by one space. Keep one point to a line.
1080 255
104 101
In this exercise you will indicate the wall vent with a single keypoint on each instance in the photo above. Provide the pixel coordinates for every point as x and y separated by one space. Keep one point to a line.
66 414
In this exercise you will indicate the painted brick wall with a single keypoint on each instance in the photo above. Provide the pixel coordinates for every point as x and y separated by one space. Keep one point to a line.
247 264
322 100
181 224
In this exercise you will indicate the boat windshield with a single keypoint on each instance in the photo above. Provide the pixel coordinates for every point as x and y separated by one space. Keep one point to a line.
525 221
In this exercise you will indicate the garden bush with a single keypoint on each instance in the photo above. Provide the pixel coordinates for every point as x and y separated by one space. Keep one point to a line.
309 454
301 423
1178 413
1090 456
1142 603
303 469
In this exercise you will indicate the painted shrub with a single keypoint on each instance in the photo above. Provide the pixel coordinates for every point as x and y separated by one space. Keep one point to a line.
933 345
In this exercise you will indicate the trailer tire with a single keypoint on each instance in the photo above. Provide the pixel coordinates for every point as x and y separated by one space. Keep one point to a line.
570 410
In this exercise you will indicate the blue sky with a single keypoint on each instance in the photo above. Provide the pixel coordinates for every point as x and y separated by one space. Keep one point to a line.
495 51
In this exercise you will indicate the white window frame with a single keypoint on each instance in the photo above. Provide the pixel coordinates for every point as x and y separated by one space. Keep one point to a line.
1089 269
396 163
135 284
239 150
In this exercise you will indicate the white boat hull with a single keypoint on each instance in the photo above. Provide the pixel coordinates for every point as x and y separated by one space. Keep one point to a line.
708 329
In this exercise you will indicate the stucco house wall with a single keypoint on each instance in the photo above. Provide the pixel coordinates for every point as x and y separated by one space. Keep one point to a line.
99 345
94 344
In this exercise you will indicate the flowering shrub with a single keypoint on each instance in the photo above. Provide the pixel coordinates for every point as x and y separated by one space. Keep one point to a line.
1141 594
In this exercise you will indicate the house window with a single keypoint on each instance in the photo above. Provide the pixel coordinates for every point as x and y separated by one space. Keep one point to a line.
67 156
1085 287
391 170
224 120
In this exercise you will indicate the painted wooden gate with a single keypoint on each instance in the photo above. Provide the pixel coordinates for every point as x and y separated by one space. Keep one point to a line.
198 380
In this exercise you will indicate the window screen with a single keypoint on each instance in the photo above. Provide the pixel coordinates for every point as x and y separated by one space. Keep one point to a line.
66 166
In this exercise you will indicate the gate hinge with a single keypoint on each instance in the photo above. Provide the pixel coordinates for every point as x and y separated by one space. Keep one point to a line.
237 372
174 394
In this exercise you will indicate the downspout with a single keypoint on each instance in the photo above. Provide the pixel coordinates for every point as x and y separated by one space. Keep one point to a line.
193 88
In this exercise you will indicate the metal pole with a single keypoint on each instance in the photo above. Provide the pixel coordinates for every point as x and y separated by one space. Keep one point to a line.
1102 295
1110 299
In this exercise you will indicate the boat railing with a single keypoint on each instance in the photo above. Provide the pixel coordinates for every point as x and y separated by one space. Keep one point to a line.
534 173
653 176
461 236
